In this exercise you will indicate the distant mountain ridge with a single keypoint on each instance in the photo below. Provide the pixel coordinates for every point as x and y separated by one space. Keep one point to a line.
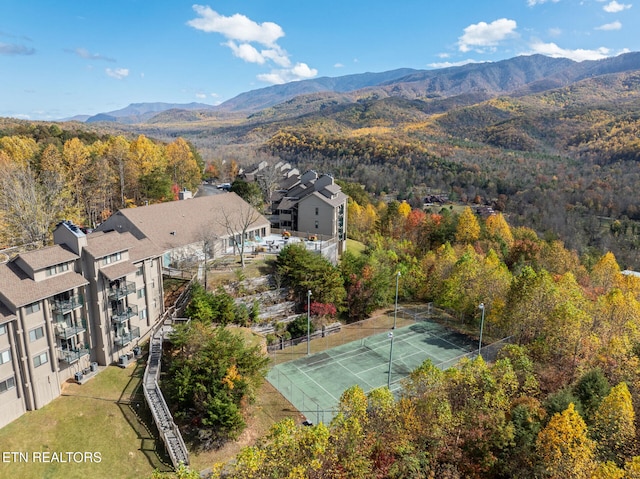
141 112
515 76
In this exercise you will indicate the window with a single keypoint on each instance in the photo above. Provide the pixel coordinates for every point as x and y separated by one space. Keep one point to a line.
143 314
317 211
317 224
32 308
36 334
112 258
7 384
40 359
141 293
5 356
3 329
139 271
58 268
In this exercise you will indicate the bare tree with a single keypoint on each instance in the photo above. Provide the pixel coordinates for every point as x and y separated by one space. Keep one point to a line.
268 179
209 240
30 206
237 226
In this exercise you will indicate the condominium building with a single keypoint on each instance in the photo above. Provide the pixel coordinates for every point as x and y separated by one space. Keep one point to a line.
88 299
312 204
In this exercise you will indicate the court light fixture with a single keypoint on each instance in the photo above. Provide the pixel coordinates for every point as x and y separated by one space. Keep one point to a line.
481 307
395 311
308 322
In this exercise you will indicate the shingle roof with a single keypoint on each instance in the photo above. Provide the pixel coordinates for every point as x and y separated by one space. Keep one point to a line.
180 223
19 289
337 200
118 270
41 258
100 244
5 314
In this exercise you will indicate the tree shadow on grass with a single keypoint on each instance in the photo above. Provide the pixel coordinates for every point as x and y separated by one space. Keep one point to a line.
136 412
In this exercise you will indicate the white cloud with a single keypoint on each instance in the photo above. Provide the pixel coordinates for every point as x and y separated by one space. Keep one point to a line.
236 27
118 73
277 56
615 7
338 65
610 26
450 64
201 96
533 3
300 71
486 35
246 52
579 55
252 42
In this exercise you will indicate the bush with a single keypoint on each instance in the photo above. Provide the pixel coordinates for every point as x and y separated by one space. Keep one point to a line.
298 327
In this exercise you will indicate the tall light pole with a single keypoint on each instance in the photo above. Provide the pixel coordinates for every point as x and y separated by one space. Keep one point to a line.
308 322
395 311
481 306
390 335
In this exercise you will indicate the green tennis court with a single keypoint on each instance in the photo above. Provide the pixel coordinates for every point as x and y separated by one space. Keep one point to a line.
314 383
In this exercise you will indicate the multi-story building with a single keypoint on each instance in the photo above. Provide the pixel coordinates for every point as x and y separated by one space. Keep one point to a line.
312 204
181 229
88 299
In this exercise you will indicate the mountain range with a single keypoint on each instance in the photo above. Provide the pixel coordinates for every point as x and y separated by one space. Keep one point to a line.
476 81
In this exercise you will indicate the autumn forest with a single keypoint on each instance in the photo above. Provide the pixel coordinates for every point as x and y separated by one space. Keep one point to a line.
558 169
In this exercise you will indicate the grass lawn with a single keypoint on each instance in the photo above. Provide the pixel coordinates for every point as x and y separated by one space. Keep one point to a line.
355 247
97 417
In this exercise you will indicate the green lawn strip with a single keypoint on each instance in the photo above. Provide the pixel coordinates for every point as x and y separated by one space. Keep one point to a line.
355 247
100 418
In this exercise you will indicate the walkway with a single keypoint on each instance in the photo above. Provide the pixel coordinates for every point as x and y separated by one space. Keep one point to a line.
168 430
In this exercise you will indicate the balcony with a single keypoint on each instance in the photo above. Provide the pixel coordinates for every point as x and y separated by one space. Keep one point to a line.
125 289
125 338
70 356
67 330
63 306
122 316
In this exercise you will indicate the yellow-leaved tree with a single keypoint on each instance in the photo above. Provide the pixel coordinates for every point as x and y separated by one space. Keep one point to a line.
564 449
468 227
605 272
182 165
498 229
614 425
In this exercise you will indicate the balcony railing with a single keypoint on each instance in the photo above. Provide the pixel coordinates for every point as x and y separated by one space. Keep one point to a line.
70 356
126 338
63 306
126 288
122 316
66 330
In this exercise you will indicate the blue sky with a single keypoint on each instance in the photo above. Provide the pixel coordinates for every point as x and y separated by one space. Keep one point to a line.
68 57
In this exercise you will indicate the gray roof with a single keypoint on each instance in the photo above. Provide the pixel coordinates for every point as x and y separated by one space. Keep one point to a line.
118 270
337 200
5 314
100 244
180 223
19 289
41 258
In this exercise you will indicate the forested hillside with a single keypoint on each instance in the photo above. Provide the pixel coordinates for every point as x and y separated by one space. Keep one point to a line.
561 400
51 173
